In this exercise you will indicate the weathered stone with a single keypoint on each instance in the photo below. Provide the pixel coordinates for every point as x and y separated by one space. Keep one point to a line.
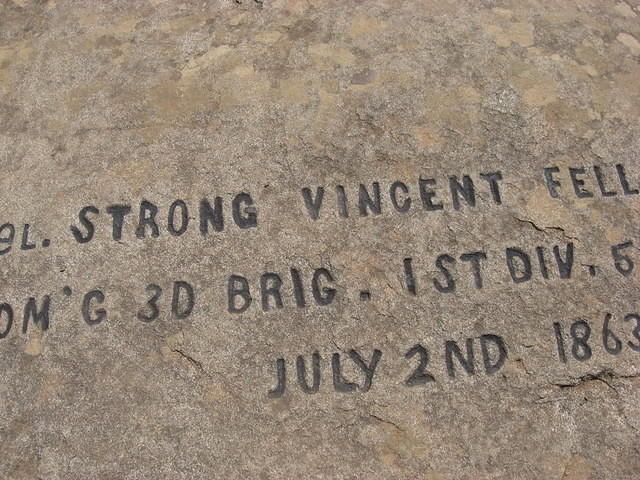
319 239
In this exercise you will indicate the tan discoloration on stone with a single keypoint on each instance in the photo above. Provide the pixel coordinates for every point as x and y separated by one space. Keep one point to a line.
214 125
614 93
18 51
625 10
327 108
242 86
391 442
517 32
427 137
12 56
537 88
181 25
124 27
238 19
298 7
615 235
577 468
269 37
325 54
123 50
294 90
365 25
543 210
630 42
469 94
244 71
78 97
133 172
211 58
95 24
34 346
452 109
504 12
171 99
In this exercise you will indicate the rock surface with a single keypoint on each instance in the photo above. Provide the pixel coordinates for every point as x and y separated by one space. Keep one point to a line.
478 215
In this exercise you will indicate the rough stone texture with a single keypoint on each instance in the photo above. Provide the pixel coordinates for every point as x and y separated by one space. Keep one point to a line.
115 102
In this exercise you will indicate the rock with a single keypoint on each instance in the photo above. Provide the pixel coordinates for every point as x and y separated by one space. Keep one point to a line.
319 239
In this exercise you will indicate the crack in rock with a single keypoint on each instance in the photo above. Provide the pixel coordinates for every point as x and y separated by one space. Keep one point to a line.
545 228
604 376
191 360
